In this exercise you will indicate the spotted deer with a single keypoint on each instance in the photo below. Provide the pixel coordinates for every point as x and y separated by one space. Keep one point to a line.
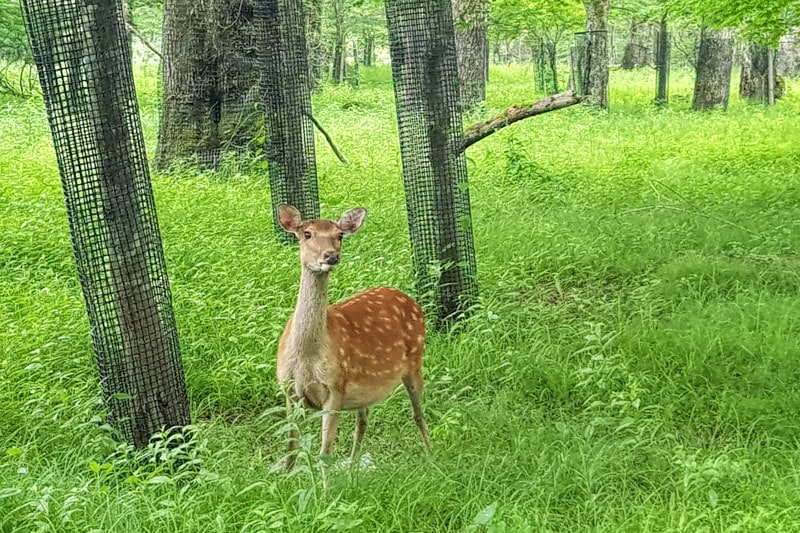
350 355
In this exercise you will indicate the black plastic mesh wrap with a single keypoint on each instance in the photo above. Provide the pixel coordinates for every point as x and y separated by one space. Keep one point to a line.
286 98
209 81
85 72
434 173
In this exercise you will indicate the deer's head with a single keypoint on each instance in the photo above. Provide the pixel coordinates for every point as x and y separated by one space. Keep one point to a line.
320 240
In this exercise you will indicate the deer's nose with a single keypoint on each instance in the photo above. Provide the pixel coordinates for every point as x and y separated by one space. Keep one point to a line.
332 258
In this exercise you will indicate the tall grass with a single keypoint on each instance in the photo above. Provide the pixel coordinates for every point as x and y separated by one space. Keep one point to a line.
633 365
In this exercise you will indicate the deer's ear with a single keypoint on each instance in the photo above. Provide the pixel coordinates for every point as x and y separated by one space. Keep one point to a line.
351 220
290 218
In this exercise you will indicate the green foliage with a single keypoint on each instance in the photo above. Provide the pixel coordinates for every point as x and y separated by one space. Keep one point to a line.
762 21
17 76
512 19
632 367
13 39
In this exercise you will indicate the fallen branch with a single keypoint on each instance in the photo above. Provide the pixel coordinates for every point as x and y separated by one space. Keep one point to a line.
133 30
479 131
327 138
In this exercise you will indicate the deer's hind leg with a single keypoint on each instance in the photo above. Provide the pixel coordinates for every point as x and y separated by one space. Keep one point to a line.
414 383
361 428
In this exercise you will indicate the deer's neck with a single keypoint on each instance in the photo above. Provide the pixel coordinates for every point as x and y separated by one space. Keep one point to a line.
309 326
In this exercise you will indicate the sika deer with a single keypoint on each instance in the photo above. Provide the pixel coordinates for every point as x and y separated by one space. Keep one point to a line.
353 354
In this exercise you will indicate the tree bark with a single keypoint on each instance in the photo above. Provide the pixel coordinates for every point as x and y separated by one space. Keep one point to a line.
355 78
663 53
546 71
638 50
471 19
713 74
757 73
595 50
99 145
286 99
317 55
339 52
369 50
787 60
235 45
209 80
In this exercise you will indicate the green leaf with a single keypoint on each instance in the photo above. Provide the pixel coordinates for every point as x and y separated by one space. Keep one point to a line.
712 497
159 480
485 516
14 452
9 492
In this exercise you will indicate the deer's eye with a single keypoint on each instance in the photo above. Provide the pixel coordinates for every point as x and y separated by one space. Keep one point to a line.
341 236
307 234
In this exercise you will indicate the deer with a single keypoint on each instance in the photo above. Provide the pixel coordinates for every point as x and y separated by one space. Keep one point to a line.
350 355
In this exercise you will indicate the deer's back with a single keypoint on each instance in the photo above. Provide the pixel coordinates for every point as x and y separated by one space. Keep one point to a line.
378 317
377 335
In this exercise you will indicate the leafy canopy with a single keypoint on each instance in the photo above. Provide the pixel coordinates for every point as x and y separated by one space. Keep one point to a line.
761 21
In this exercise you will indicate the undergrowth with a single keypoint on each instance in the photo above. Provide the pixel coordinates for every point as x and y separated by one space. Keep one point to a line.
633 364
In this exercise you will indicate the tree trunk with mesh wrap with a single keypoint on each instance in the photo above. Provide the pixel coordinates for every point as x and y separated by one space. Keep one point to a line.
755 77
99 145
209 81
639 48
713 72
595 53
471 19
286 103
434 170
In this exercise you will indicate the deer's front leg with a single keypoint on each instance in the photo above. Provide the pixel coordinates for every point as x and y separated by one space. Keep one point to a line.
330 425
294 436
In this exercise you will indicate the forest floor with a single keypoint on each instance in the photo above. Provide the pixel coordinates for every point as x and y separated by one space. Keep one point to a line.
633 366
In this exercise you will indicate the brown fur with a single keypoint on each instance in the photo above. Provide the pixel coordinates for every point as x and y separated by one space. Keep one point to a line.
353 354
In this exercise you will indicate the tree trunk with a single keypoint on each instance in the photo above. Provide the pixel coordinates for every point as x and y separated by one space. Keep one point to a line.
100 149
317 55
595 76
756 74
235 44
471 19
187 126
713 74
209 80
662 64
638 50
355 78
546 71
539 77
787 60
127 17
435 175
369 50
339 52
286 99
552 63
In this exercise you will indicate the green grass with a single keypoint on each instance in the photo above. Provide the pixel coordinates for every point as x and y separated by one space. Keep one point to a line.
633 365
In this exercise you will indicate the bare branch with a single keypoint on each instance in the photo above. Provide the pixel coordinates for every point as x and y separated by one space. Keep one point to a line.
133 30
479 131
327 138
